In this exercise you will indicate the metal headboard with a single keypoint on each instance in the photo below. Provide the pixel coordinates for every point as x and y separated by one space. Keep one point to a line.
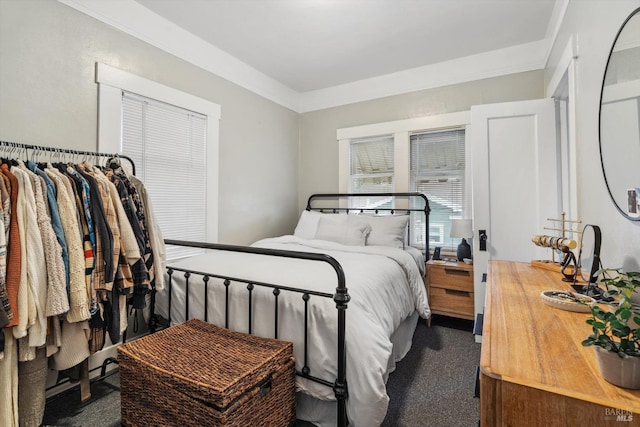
416 202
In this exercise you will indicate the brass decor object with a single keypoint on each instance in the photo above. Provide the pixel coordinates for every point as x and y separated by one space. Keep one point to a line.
560 244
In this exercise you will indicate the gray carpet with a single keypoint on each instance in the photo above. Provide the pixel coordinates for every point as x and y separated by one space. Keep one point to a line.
432 386
102 410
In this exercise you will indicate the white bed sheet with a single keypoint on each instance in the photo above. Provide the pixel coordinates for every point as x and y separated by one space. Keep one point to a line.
386 289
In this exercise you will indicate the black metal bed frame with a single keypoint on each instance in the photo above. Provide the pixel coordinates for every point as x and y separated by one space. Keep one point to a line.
391 210
340 297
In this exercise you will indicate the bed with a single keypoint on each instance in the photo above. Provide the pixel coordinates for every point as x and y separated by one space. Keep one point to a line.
352 251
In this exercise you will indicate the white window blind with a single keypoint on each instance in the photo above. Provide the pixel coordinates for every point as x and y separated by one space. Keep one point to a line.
168 146
371 170
437 170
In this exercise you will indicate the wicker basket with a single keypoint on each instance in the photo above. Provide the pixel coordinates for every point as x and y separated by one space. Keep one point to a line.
197 374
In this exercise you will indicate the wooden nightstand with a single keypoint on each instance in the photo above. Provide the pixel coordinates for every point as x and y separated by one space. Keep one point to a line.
450 289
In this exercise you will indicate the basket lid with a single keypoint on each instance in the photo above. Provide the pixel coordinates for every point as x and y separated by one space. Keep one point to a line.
220 363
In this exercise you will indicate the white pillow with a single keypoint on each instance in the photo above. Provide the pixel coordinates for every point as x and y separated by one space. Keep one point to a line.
386 230
307 224
336 229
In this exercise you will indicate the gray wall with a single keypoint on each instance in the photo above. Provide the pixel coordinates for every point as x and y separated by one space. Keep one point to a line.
318 144
48 96
594 25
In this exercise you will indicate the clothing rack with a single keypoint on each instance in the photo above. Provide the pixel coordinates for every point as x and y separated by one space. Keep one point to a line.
14 149
37 148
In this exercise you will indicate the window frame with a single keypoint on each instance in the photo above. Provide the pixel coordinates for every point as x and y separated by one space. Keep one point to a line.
402 131
112 81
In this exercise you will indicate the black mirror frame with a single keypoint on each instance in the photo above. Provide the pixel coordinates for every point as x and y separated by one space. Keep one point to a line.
604 76
591 288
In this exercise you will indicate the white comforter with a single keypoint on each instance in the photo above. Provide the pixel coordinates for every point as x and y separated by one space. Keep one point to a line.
385 287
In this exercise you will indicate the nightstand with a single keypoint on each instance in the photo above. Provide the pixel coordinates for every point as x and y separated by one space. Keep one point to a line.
450 289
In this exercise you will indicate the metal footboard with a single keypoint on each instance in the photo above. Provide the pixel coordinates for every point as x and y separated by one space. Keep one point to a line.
340 297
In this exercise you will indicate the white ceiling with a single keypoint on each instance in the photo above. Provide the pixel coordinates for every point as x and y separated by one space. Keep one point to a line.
313 54
314 44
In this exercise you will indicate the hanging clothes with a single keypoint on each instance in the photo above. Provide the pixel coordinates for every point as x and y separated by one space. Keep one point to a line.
78 286
140 289
5 309
54 214
156 240
78 243
57 301
32 291
14 255
138 267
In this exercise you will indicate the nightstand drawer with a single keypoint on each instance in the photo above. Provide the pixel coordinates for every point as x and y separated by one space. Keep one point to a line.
451 278
453 300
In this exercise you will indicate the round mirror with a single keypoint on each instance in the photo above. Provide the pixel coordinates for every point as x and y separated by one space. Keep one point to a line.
620 119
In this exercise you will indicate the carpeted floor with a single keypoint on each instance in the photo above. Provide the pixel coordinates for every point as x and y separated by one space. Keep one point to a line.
102 410
432 386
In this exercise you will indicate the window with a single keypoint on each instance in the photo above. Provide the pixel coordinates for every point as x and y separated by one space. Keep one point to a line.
168 146
172 137
371 170
437 169
436 234
425 154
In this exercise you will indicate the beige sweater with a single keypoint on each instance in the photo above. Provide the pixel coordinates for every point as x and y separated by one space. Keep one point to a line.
57 301
78 293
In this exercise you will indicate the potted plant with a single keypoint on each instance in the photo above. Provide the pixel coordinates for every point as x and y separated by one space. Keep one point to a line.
616 332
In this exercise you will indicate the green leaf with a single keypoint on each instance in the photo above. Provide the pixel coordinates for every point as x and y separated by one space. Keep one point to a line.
598 325
611 328
624 313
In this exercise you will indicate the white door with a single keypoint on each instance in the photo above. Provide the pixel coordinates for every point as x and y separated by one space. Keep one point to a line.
515 181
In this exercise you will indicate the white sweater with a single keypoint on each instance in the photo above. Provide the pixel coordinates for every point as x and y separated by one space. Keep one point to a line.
33 262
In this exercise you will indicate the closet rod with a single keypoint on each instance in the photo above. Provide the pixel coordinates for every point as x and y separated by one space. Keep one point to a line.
67 151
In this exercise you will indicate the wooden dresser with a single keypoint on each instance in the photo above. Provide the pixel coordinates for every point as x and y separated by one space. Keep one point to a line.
533 368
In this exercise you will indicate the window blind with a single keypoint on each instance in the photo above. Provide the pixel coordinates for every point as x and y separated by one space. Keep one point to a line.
371 170
168 146
437 170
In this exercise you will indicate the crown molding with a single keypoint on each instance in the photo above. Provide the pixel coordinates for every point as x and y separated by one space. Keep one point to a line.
555 22
515 59
138 21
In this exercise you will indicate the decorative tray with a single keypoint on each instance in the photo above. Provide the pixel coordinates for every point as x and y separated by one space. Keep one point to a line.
566 300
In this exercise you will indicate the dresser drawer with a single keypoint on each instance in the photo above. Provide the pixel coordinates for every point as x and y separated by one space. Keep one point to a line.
451 278
451 300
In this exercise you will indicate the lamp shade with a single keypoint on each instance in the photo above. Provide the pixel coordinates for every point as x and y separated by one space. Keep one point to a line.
461 228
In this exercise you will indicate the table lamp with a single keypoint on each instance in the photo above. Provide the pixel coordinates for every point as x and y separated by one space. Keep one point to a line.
462 228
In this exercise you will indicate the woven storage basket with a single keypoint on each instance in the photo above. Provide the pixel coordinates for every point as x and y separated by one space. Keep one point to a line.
197 374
